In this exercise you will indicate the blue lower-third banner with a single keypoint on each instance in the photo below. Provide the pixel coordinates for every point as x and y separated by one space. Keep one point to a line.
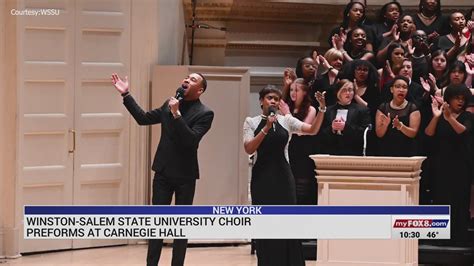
237 222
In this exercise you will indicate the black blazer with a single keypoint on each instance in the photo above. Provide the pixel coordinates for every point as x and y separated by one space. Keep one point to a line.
351 140
176 156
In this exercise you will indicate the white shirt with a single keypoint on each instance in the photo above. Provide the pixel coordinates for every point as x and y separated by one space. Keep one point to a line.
288 122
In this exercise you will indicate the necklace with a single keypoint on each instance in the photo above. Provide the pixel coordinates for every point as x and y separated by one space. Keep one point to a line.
398 107
356 55
426 17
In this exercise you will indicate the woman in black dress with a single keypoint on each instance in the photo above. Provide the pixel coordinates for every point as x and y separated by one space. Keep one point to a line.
354 46
387 18
332 63
452 158
366 79
272 183
430 20
353 17
397 122
401 34
438 66
301 146
455 42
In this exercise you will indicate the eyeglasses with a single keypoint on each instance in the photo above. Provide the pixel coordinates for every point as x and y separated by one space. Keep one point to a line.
419 37
362 69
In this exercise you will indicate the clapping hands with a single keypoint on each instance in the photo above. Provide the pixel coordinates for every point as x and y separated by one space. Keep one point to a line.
436 108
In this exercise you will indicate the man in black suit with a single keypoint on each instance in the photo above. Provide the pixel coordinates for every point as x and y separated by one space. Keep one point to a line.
183 124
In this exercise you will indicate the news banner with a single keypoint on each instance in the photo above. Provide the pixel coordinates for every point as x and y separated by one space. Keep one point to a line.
237 222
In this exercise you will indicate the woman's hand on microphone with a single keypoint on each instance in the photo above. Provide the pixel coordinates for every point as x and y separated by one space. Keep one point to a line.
270 120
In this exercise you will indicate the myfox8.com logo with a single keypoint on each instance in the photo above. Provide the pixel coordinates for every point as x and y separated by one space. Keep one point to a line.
420 223
35 12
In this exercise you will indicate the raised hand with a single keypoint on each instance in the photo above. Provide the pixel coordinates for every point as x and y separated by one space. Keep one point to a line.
470 59
470 25
356 88
446 111
433 36
119 84
432 81
425 49
343 35
337 42
321 98
395 33
314 54
270 120
457 41
436 109
389 69
384 119
284 108
396 123
469 69
287 80
410 48
324 62
426 86
290 73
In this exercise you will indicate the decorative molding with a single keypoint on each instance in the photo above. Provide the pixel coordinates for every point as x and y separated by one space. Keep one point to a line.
251 11
272 45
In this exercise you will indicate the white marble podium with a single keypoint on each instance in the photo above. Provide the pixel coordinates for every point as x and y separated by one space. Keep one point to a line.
355 180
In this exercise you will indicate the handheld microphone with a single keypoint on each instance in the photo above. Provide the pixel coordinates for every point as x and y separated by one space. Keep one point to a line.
369 127
180 93
272 111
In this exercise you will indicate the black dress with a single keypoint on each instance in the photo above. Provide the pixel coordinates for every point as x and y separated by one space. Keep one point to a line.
445 44
273 184
303 168
394 142
452 171
440 25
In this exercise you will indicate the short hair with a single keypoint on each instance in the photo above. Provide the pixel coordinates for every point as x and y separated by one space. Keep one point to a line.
269 89
457 90
332 54
384 8
203 82
459 66
398 77
340 84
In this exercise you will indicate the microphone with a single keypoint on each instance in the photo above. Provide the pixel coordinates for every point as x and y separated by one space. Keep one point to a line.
180 93
272 111
369 127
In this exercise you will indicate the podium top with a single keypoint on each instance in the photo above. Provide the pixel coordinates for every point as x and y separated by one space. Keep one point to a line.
376 166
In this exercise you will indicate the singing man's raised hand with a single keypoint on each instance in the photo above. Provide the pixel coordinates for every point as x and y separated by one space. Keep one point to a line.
119 84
